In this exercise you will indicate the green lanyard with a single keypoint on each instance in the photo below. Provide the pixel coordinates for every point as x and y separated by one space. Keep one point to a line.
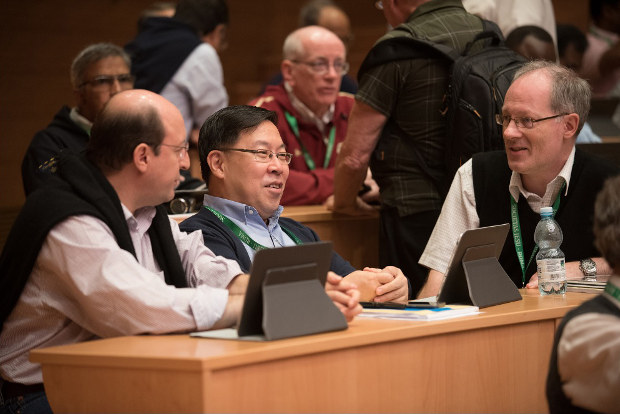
292 122
612 290
516 233
243 236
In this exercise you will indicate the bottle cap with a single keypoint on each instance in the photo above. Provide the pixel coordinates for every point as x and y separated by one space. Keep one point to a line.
546 211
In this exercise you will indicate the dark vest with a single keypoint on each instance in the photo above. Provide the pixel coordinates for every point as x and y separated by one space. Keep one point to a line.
491 177
558 402
77 188
159 50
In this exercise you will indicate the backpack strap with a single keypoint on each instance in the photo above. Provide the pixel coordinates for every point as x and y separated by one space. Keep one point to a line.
411 47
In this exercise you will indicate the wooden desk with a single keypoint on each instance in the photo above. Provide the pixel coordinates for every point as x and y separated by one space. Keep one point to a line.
493 362
355 238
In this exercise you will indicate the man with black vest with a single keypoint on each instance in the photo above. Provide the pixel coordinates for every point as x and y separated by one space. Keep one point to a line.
90 256
583 370
543 112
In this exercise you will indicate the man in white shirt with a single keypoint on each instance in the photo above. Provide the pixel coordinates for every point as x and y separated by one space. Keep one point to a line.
583 370
544 110
91 257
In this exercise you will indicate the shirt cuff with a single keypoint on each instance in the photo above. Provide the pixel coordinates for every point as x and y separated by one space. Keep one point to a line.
208 306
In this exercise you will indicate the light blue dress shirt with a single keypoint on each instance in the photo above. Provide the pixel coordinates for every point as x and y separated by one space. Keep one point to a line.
248 219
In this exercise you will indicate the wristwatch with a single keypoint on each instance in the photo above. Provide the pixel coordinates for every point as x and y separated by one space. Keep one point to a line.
587 267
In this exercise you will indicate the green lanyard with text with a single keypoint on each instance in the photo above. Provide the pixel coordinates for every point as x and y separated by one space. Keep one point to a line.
516 232
612 290
292 122
243 236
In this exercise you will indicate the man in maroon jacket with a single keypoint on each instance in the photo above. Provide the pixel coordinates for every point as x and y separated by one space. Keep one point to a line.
312 112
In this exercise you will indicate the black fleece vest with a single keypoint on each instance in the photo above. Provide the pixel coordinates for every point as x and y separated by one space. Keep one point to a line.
77 188
558 402
491 177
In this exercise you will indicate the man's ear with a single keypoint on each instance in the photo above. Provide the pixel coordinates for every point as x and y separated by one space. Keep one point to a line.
286 67
571 123
215 159
142 155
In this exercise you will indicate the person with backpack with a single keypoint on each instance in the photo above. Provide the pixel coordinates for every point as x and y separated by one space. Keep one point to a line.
543 112
395 121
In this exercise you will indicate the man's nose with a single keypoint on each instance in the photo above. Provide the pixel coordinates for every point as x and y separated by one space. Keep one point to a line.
511 130
184 162
116 87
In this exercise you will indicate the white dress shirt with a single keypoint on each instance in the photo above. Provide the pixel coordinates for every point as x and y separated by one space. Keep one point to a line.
589 359
84 286
459 211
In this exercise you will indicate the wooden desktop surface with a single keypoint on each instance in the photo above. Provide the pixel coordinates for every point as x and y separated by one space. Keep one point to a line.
492 362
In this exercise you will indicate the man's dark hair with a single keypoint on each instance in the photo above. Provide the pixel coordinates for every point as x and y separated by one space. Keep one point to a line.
223 128
202 15
569 34
607 222
310 12
515 37
115 135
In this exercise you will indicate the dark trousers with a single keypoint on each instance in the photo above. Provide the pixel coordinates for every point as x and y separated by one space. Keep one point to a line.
35 403
402 241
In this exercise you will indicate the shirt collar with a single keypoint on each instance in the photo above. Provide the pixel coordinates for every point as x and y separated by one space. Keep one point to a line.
141 221
240 212
553 188
82 122
306 114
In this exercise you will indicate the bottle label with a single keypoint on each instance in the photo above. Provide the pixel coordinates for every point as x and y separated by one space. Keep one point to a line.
551 269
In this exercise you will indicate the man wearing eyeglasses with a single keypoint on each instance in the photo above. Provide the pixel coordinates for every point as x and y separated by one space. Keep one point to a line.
93 253
246 165
544 110
312 112
98 72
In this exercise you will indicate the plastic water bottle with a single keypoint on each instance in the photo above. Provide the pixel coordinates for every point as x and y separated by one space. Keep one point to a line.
550 260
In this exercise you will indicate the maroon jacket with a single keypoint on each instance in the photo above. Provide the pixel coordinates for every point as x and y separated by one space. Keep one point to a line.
305 186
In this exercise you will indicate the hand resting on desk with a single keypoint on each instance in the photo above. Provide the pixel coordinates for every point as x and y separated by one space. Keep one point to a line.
344 294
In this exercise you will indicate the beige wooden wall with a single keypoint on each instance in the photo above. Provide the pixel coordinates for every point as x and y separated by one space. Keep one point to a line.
39 38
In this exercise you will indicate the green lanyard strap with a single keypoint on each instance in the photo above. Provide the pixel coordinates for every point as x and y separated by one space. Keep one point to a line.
612 290
243 236
292 122
516 233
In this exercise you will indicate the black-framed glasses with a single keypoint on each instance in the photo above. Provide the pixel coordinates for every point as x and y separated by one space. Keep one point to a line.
180 149
379 5
107 81
321 66
523 122
264 155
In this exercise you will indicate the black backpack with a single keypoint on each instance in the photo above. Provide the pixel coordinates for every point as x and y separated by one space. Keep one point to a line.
478 82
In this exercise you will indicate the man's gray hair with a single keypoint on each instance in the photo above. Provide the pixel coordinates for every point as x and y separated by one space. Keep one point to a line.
92 54
569 92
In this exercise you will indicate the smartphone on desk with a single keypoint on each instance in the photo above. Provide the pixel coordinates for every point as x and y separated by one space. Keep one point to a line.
383 305
427 303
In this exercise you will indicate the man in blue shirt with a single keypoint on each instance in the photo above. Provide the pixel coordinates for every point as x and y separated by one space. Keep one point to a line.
245 163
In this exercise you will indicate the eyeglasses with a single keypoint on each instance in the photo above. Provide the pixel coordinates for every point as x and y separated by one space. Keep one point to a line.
181 149
379 5
321 66
263 155
107 81
525 122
